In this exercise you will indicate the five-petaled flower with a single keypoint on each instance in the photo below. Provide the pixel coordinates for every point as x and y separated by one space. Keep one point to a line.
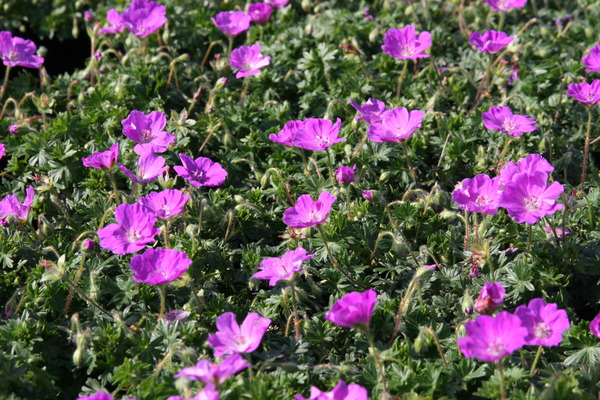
144 17
201 172
592 60
479 194
395 125
342 391
545 323
353 310
584 92
308 213
103 160
149 167
370 111
232 338
16 51
10 206
232 23
214 374
502 119
159 266
165 204
147 130
491 41
260 12
283 269
248 60
132 232
405 45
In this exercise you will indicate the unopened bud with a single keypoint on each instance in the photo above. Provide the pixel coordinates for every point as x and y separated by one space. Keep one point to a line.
467 303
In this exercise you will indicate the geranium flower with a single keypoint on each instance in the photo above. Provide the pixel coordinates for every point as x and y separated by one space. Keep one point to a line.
132 232
490 298
260 12
528 199
368 195
277 3
371 111
592 61
104 160
232 338
208 392
102 395
341 392
283 269
149 167
248 60
353 310
530 164
544 322
308 213
491 41
318 134
595 326
287 133
584 92
232 23
18 52
165 204
559 231
2 150
396 125
403 44
505 5
10 206
147 130
345 174
214 374
176 315
480 194
144 17
502 119
114 18
201 172
491 338
159 266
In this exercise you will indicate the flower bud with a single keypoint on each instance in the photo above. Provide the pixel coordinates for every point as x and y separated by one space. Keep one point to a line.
467 303
87 245
490 298
384 176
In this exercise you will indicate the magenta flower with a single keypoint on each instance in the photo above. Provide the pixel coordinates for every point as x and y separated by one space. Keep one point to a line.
159 266
345 174
287 133
490 298
502 119
144 17
505 5
592 61
214 374
248 60
584 92
102 395
318 134
480 194
353 310
595 326
371 111
308 213
491 41
114 18
528 199
13 129
10 206
232 338
18 52
405 45
147 130
201 172
559 232
260 12
132 232
165 204
2 150
545 323
283 269
150 166
277 3
105 160
396 125
232 23
341 392
368 195
208 392
176 315
491 338
530 164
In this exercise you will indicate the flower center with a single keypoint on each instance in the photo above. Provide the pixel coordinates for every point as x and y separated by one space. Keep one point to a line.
407 50
542 331
482 200
198 175
532 203
496 348
133 236
314 215
146 135
509 124
13 55
590 96
322 140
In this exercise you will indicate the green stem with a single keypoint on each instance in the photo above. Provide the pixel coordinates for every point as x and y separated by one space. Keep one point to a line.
166 233
334 261
401 78
85 297
385 393
439 345
330 165
586 147
536 359
162 289
466 230
5 82
113 182
402 306
501 22
529 229
230 48
412 171
346 191
295 304
502 390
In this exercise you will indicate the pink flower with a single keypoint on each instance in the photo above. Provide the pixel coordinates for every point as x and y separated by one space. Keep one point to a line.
592 61
559 231
368 195
491 41
595 326
10 206
159 266
308 213
16 51
132 232
584 92
147 130
491 338
528 199
144 17
260 12
405 45
502 119
201 172
176 315
318 134
341 392
13 129
232 338
214 374
490 298
232 23
150 166
371 111
353 310
287 133
505 5
102 395
530 164
396 125
114 18
277 3
283 269
248 60
544 322
165 204
345 174
480 194
2 150
104 161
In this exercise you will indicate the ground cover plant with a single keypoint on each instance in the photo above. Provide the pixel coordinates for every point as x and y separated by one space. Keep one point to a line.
299 199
